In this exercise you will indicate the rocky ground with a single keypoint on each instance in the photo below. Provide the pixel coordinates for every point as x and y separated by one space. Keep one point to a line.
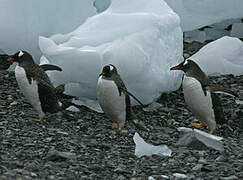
82 145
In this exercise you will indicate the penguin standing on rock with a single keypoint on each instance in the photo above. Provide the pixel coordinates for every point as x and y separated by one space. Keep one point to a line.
197 94
113 96
35 84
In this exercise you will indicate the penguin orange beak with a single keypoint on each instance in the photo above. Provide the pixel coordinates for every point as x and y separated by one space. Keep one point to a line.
11 59
102 74
176 68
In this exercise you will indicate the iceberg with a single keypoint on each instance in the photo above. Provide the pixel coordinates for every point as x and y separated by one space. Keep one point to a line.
196 14
22 22
223 56
143 39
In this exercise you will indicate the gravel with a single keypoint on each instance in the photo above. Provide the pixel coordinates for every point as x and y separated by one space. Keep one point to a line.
82 145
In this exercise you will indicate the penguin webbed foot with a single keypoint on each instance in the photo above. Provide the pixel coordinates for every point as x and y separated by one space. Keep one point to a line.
211 132
39 120
198 125
117 126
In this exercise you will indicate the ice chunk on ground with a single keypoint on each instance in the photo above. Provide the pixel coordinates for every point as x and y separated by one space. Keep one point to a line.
22 22
143 39
199 141
238 101
223 56
91 104
73 109
237 30
153 107
144 149
196 14
185 130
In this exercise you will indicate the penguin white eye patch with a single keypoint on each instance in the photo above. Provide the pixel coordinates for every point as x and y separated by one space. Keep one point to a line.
111 68
20 53
185 63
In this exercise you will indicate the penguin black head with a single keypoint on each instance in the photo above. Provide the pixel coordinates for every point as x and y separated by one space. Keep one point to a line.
187 66
21 56
108 70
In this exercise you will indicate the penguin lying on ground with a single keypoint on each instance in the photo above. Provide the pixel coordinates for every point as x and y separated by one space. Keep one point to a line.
197 94
113 96
35 84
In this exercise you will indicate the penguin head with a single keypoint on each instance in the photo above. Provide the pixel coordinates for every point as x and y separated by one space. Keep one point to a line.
108 71
187 66
20 57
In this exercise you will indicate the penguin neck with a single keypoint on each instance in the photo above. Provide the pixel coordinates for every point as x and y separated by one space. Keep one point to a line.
25 64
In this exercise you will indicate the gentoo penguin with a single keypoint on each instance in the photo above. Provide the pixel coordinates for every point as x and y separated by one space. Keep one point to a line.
35 83
197 94
113 96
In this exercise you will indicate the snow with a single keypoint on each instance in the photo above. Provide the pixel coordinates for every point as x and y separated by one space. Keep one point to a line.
144 149
22 22
223 56
143 39
196 14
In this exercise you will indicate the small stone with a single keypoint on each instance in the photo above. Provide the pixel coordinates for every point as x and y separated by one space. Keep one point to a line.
179 175
14 103
221 158
229 177
33 174
151 178
198 167
202 160
121 177
164 177
186 55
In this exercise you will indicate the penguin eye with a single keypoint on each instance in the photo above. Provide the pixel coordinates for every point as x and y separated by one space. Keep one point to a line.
20 54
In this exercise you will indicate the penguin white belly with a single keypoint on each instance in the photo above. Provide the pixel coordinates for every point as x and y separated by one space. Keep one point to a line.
30 91
200 105
110 100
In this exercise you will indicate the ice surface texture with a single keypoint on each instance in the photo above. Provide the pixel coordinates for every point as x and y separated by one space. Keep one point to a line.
22 22
143 39
223 56
199 13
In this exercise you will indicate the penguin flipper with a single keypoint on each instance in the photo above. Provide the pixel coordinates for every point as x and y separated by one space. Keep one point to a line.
50 67
218 89
134 97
